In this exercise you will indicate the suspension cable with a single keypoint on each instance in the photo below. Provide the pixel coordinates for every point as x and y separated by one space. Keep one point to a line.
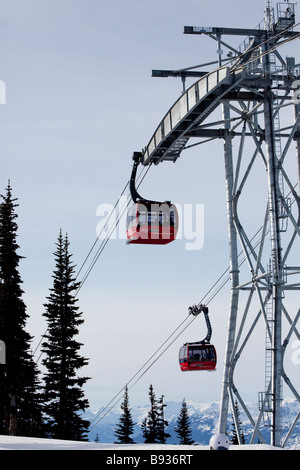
98 237
108 236
262 54
105 241
214 290
276 46
117 397
140 179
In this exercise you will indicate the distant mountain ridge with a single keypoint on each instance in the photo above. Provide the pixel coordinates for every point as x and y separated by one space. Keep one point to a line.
203 419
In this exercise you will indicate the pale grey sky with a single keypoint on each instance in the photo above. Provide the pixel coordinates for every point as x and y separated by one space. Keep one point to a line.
80 100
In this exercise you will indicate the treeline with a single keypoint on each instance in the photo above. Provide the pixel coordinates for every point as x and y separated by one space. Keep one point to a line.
51 404
31 403
154 426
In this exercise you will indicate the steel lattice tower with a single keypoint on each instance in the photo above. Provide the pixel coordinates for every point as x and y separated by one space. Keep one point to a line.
271 261
257 90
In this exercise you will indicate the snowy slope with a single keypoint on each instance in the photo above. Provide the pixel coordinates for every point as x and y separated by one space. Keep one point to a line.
204 419
26 443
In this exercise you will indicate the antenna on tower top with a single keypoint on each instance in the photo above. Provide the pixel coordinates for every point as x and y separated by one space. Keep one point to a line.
269 15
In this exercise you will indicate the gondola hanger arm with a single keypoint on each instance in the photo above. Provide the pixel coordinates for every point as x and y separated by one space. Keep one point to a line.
196 310
136 197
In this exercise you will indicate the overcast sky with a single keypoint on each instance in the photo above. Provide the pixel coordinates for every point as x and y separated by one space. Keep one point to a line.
80 100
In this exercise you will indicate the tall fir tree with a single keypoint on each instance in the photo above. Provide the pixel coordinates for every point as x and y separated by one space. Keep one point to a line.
20 401
183 428
151 424
63 393
162 423
125 425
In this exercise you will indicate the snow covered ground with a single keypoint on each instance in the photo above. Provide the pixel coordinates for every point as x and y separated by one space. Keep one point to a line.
26 443
204 418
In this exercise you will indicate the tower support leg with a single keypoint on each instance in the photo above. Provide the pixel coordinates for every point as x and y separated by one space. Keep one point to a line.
277 269
234 273
297 112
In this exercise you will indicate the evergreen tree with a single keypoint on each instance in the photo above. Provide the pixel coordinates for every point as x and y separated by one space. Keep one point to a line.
234 439
183 428
150 425
144 428
162 423
64 397
20 402
125 426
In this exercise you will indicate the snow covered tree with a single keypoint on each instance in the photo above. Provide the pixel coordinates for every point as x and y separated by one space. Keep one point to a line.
125 426
20 405
64 397
234 439
183 428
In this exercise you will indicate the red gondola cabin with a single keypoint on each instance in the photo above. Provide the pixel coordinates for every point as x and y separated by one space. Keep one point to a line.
197 356
152 223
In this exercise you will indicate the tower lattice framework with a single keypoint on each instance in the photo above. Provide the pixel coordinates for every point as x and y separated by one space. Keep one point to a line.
257 90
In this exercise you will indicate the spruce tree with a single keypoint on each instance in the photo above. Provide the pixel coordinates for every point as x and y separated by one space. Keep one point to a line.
20 402
150 425
64 397
183 428
162 423
125 426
